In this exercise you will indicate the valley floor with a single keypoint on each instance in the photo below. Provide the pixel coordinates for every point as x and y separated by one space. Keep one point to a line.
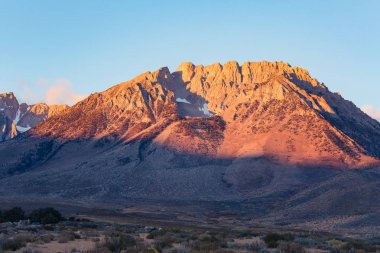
107 233
218 215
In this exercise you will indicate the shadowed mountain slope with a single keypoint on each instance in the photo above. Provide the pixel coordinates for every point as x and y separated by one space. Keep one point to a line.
262 131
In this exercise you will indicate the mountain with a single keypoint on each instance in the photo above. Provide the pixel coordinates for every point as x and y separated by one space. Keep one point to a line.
263 133
257 110
17 118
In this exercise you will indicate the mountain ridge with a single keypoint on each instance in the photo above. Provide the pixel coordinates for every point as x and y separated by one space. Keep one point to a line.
18 118
262 132
135 104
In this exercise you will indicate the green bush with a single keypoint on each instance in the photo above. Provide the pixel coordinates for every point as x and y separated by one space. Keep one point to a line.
12 215
46 238
47 215
165 242
99 250
12 244
355 245
66 237
118 242
209 243
272 239
290 247
246 234
26 238
156 233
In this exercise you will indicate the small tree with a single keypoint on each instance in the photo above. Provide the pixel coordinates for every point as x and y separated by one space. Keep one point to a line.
47 215
13 215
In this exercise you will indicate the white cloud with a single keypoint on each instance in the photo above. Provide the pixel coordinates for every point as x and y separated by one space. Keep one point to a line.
371 111
43 83
29 95
23 91
61 92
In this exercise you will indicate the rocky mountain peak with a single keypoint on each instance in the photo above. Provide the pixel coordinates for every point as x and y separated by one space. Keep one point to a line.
186 70
161 74
261 132
253 106
9 104
17 118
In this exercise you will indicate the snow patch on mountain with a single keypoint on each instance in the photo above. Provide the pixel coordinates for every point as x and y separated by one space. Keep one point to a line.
205 110
182 100
23 129
17 118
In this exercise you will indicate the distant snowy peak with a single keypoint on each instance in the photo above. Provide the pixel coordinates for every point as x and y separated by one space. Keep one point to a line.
19 118
37 113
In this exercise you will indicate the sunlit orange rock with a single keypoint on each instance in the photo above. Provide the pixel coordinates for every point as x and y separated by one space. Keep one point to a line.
259 109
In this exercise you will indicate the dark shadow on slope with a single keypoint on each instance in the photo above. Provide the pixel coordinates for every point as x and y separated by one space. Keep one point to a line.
188 103
343 118
236 189
35 157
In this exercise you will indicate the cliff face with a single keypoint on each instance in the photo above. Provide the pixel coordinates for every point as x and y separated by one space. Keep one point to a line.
279 110
18 118
8 128
35 114
123 111
266 110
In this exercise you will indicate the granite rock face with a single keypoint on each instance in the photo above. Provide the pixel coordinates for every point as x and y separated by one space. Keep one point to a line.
19 118
267 109
261 131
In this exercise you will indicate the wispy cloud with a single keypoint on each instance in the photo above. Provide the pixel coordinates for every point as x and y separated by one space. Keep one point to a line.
61 92
372 111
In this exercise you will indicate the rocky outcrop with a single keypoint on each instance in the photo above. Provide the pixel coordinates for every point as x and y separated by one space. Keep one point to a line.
37 113
8 128
9 105
268 109
19 118
276 98
124 111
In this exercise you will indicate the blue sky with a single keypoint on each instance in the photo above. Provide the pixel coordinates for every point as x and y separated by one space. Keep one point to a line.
59 51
